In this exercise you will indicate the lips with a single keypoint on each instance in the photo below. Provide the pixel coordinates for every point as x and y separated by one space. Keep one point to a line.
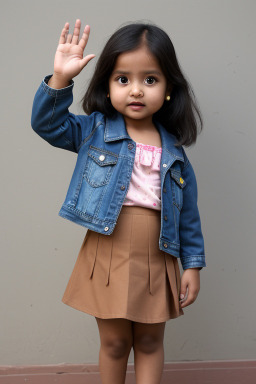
137 103
136 106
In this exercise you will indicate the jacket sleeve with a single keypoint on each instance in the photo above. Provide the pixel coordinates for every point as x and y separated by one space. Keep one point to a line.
52 120
192 252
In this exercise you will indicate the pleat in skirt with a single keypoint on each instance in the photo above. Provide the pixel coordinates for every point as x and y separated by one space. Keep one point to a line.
125 274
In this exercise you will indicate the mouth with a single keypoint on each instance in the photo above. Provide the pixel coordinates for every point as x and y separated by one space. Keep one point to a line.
136 105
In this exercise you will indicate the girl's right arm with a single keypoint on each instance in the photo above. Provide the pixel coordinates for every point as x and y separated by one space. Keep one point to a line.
50 116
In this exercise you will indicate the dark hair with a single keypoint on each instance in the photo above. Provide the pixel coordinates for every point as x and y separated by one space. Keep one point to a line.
181 115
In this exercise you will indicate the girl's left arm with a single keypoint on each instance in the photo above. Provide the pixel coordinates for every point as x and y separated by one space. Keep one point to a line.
192 254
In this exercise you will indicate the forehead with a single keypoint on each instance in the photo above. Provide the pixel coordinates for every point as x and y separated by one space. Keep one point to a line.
139 59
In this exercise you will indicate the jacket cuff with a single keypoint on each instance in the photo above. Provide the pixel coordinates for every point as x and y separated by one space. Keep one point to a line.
56 92
193 261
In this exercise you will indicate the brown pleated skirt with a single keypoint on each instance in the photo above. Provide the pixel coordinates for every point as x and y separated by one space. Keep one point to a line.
125 274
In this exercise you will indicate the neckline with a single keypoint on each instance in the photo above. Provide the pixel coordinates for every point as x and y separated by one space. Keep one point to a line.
147 145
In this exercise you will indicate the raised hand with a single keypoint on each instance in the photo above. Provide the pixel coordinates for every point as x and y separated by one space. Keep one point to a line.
69 60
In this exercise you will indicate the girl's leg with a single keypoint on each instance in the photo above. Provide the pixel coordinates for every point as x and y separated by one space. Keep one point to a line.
148 352
116 343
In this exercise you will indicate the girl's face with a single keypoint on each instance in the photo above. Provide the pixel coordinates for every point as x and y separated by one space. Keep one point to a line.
137 86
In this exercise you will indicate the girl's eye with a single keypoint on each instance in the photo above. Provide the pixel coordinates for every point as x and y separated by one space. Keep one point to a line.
150 80
123 80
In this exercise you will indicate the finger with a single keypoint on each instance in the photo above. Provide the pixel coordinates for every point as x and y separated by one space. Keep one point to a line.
86 60
183 292
185 302
192 295
63 34
84 39
76 32
69 38
183 289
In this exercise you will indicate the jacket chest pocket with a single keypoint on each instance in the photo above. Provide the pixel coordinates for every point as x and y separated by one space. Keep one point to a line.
177 184
99 166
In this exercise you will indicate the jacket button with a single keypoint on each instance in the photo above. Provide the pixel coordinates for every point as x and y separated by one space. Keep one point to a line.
106 229
102 157
165 217
164 165
123 187
130 146
165 245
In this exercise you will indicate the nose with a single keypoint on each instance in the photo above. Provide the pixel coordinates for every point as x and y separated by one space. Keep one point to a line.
136 90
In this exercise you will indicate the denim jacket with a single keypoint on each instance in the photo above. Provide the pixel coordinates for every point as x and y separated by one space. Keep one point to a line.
103 171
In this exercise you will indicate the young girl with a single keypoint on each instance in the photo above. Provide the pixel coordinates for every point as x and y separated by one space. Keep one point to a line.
133 188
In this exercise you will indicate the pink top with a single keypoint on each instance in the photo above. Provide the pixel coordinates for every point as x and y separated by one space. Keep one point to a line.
145 185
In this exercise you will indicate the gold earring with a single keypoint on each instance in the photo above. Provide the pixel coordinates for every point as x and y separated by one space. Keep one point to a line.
168 98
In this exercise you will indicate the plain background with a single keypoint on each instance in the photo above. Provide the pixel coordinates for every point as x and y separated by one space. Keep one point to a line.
215 44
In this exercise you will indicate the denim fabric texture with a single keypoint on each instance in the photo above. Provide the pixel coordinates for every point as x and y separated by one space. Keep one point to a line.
103 171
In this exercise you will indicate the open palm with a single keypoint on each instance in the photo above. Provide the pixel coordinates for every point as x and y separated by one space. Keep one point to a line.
69 60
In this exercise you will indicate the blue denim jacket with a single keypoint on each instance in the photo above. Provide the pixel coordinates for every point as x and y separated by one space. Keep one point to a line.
103 171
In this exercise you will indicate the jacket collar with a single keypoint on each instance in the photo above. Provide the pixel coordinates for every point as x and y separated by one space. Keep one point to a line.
116 130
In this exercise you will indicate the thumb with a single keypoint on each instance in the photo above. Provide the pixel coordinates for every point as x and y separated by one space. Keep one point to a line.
183 290
86 60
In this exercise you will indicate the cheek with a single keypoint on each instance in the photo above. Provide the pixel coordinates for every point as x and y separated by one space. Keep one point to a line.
114 99
157 98
116 95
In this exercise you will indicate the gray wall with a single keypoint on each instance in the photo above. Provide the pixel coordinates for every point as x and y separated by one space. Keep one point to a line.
215 43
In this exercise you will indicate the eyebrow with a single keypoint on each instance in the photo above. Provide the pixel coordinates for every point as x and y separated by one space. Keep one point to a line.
153 72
